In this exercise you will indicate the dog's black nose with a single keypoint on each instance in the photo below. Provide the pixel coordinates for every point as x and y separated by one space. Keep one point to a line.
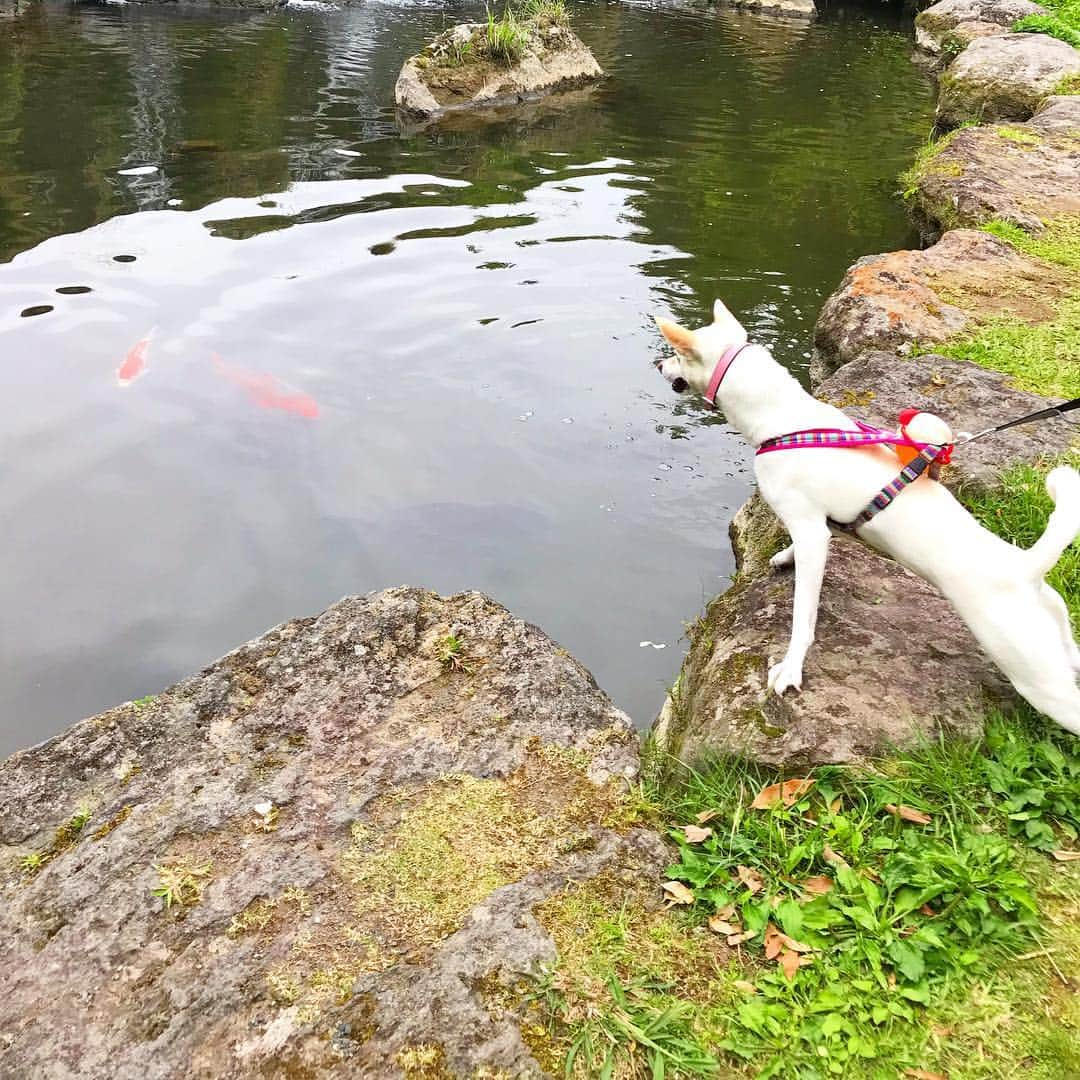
678 385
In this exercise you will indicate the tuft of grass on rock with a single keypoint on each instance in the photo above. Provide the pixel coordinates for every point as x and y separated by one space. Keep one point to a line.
181 882
1045 357
1062 22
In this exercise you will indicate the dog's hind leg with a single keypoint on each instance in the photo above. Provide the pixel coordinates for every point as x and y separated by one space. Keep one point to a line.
810 544
783 558
1056 606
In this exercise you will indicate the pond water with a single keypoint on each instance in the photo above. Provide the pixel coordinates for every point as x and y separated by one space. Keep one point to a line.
259 350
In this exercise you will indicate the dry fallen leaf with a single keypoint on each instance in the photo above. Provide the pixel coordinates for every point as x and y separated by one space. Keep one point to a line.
725 912
834 806
817 886
1065 856
790 962
677 893
776 941
750 878
695 834
738 939
923 1074
722 926
909 813
787 793
928 911
744 986
707 815
942 1031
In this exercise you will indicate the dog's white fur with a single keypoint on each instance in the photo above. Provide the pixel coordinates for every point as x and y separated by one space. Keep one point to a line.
997 589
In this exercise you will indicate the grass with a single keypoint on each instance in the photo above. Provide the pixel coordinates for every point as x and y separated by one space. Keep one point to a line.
452 655
505 36
1045 357
182 881
905 919
1062 22
926 162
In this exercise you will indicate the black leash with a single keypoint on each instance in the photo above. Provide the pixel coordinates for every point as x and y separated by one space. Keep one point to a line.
1042 414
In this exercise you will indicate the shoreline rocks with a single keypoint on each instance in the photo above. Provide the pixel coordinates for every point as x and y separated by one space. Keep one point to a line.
457 71
315 856
892 663
1003 77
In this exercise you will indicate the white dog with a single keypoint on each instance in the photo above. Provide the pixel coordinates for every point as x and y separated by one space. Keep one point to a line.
998 589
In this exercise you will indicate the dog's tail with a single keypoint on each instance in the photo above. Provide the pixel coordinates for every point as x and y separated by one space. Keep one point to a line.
1063 484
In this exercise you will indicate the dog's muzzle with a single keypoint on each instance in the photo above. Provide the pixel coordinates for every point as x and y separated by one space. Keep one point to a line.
678 384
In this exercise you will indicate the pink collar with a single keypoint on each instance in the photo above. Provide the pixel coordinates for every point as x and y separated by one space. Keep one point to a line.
727 358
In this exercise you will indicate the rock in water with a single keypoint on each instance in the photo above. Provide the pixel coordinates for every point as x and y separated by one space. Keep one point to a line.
458 71
948 23
1004 78
318 857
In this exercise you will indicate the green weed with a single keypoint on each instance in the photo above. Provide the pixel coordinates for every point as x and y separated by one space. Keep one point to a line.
505 37
451 653
1051 25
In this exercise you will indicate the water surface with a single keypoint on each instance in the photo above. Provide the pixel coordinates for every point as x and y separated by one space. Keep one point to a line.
375 359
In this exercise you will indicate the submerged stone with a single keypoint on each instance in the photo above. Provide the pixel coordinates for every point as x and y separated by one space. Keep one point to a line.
459 71
316 856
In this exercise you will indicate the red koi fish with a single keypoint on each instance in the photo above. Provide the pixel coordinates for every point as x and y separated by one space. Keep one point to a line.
134 363
266 390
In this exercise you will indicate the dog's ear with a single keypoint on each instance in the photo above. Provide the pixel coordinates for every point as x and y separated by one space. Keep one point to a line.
719 312
678 337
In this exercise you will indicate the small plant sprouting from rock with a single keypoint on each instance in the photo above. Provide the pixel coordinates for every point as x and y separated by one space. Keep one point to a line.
452 655
182 881
32 863
68 833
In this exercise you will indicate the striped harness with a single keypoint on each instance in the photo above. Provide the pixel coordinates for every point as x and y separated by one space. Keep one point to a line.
928 457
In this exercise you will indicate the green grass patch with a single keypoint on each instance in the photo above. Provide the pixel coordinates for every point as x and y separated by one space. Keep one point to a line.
926 163
505 36
1045 357
1062 22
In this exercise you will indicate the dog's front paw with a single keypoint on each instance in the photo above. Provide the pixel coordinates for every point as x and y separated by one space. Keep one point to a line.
787 675
783 559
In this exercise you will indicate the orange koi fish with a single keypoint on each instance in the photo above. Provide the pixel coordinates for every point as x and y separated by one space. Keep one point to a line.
266 390
134 363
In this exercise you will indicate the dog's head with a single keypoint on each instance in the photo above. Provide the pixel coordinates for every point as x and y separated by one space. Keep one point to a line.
697 351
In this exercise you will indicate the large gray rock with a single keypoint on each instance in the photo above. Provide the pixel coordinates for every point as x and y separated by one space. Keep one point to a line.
1003 78
355 815
455 71
891 665
1024 174
940 27
878 385
890 301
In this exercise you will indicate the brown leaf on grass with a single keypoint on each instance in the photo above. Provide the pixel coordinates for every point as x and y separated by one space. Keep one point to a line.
790 962
725 912
745 987
909 813
928 911
892 980
924 1074
750 878
722 926
738 939
695 834
776 941
677 893
707 815
817 886
942 1031
835 805
1065 856
788 793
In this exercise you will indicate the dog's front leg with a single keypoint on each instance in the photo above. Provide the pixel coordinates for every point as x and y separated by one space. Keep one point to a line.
810 543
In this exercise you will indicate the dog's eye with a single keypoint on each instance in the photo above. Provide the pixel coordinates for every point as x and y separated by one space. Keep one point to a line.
678 384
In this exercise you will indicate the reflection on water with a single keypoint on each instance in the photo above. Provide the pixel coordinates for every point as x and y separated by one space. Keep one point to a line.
259 350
